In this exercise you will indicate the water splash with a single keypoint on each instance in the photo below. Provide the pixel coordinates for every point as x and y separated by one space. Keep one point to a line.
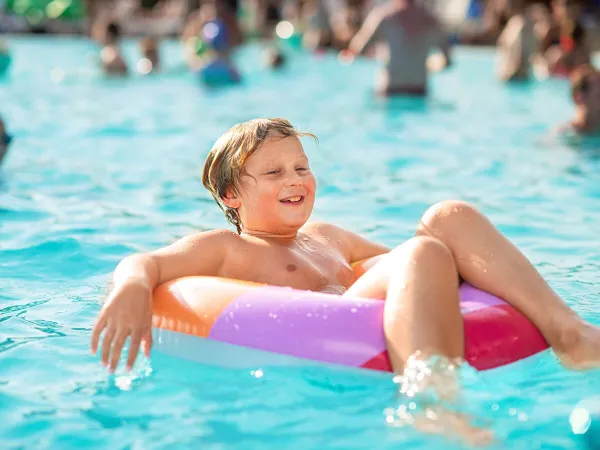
430 399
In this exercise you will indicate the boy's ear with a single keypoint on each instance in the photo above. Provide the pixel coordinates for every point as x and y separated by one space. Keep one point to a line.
231 200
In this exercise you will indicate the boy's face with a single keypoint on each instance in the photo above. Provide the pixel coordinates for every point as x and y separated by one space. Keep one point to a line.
278 188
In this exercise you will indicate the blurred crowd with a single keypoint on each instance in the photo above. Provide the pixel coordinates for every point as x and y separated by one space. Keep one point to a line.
410 38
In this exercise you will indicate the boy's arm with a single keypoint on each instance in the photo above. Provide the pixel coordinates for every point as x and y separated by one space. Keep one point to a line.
362 248
367 33
354 247
128 309
199 254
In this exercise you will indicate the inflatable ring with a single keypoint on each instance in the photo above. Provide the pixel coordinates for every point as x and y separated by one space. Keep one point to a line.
234 323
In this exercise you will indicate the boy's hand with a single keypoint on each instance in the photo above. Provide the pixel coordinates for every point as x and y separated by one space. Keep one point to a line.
126 313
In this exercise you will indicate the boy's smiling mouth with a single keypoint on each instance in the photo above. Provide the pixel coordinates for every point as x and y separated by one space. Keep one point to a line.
293 200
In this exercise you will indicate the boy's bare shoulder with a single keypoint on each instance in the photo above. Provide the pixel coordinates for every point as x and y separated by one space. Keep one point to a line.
324 229
217 236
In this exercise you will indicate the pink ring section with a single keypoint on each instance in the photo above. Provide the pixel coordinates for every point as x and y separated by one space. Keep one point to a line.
321 327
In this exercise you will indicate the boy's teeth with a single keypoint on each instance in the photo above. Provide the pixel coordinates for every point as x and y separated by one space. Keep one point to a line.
293 199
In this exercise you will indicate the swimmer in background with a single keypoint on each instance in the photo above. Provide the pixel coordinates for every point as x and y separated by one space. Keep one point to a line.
214 63
5 59
410 32
260 176
270 12
211 10
5 140
346 21
517 45
319 33
108 34
585 91
564 44
150 61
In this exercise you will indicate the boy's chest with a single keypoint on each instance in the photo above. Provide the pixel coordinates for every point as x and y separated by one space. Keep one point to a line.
312 266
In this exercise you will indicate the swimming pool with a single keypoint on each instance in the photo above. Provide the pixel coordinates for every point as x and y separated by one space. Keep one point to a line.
100 169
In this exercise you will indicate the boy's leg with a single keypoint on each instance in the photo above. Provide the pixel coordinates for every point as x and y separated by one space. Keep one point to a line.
488 261
419 281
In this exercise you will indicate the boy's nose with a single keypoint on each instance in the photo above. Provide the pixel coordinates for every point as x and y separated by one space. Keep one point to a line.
294 179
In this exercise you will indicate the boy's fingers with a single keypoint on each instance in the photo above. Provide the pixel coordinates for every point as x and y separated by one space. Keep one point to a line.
116 349
96 331
147 343
134 345
106 343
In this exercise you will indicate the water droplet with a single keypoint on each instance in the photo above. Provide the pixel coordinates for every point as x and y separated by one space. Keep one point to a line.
512 412
353 310
258 373
522 417
495 407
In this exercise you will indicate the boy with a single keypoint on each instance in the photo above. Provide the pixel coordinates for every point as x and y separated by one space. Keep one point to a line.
260 176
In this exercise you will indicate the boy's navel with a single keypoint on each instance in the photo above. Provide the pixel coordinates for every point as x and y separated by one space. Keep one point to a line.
291 268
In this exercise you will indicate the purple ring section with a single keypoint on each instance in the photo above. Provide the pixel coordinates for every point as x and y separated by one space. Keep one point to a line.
472 299
317 326
322 327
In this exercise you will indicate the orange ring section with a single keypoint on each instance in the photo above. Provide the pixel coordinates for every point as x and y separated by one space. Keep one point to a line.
360 267
176 304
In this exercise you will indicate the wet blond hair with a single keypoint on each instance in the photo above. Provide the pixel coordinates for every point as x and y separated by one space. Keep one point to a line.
223 168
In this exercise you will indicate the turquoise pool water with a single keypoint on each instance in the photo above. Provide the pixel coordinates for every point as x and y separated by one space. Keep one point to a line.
100 169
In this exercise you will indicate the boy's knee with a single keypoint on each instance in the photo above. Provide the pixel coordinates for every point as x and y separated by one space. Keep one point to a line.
426 247
445 215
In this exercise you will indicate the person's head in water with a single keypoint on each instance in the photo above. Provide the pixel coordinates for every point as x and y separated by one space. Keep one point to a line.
274 58
107 31
113 33
150 61
585 91
5 140
260 177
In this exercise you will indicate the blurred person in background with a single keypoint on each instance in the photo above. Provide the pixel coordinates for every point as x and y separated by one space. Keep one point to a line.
564 43
150 61
318 35
270 13
5 140
5 59
346 21
212 59
585 92
410 32
108 34
223 11
518 44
